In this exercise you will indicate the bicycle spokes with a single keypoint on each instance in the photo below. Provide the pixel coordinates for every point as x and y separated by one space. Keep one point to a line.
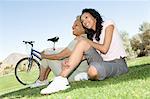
29 65
26 71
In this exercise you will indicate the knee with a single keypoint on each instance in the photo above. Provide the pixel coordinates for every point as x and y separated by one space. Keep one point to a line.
44 63
92 73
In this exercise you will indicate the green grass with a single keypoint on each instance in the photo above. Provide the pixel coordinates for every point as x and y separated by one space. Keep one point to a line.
133 85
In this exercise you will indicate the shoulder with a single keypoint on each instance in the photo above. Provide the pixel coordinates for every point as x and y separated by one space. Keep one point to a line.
108 23
74 41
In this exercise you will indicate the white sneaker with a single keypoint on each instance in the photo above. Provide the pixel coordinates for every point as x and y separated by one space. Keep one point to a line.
59 83
81 77
39 83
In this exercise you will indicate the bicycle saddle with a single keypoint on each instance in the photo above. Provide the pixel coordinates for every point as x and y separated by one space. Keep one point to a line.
54 39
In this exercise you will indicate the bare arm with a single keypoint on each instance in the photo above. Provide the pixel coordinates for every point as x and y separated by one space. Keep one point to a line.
107 40
63 54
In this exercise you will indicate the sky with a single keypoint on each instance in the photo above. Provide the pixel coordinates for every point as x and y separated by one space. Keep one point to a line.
38 20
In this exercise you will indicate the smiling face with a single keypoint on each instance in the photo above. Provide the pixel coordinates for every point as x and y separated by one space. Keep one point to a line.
78 28
88 21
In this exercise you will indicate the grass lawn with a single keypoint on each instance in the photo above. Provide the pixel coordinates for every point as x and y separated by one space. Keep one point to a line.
133 85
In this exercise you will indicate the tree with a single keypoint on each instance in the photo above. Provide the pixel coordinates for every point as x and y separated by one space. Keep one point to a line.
127 44
144 27
146 41
135 42
141 42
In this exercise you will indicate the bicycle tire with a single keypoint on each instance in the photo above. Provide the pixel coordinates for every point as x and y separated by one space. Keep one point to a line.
27 77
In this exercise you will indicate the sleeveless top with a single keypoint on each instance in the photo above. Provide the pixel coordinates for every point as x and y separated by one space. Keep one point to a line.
116 49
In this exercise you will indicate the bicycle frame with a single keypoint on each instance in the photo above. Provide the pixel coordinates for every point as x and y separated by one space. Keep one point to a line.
33 53
30 64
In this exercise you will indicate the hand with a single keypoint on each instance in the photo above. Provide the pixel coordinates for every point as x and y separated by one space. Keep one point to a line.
42 52
43 56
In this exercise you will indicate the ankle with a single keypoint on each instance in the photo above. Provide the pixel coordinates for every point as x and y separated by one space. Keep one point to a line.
41 79
63 74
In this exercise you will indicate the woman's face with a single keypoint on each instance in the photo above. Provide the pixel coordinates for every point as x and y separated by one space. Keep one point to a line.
88 21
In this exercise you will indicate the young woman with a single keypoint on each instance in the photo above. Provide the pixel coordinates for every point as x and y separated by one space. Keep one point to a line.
105 54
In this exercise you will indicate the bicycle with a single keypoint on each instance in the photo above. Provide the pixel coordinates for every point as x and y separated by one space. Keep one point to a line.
27 70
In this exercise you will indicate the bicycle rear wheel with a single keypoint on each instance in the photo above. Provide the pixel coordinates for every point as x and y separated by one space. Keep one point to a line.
25 75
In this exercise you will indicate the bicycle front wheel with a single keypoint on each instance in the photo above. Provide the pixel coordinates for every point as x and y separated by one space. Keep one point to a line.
27 74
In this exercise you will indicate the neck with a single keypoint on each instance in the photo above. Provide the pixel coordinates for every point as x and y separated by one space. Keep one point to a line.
94 27
82 35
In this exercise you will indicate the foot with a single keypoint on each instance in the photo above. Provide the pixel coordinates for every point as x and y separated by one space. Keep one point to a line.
59 83
39 83
81 76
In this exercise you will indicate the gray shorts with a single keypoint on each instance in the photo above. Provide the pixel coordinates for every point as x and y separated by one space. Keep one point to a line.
105 68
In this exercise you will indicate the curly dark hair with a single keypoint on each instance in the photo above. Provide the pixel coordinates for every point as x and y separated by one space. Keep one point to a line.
90 33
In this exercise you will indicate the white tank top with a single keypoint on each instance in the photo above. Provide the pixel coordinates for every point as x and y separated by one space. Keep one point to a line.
116 49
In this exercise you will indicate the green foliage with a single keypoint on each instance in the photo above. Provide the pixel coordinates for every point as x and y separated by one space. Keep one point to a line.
135 42
141 42
144 27
127 44
133 85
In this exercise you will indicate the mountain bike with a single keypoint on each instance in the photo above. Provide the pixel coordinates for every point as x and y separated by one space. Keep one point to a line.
27 70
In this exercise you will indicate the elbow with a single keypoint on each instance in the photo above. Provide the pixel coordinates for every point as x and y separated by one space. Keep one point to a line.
104 51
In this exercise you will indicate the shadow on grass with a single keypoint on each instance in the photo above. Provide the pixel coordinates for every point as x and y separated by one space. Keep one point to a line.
25 92
135 72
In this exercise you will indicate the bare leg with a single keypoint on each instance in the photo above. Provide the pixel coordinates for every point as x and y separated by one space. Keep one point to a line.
42 79
75 58
61 82
42 73
47 73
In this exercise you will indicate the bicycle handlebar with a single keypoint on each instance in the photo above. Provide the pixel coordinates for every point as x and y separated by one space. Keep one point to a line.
29 42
